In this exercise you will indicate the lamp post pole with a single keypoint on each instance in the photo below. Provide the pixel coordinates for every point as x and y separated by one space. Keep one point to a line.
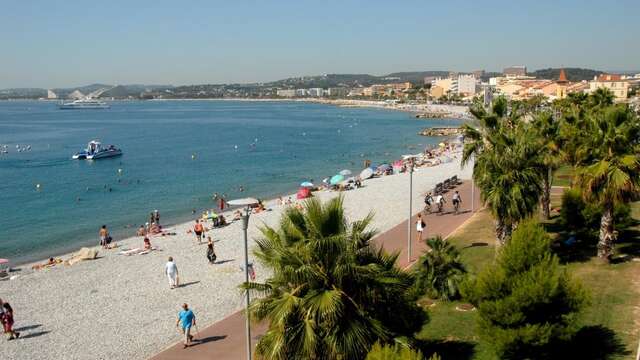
245 226
410 206
473 197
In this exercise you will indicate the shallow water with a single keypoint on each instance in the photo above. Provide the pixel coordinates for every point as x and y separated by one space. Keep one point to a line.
176 155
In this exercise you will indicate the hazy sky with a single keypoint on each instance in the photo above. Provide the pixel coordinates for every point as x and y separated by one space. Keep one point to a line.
70 43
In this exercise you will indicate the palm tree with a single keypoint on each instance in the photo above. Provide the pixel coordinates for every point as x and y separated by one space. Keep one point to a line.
608 169
332 295
509 177
507 165
440 271
546 132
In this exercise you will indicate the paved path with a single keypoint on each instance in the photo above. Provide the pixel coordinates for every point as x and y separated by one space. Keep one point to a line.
226 340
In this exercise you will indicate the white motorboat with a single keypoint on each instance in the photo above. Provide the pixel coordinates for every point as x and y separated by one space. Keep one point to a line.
84 104
95 151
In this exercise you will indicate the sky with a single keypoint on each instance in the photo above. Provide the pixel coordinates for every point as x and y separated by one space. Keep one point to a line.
69 43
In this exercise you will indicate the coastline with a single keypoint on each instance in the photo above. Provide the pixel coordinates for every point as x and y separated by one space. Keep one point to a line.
117 287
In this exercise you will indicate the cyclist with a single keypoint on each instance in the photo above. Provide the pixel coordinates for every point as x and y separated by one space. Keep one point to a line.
456 200
440 202
428 200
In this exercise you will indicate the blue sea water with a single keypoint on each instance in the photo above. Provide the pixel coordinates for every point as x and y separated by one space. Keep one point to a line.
176 155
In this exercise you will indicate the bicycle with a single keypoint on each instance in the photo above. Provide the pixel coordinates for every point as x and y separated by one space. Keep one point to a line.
456 206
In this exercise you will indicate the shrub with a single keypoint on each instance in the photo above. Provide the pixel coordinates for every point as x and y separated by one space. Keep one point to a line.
440 271
526 303
582 217
394 352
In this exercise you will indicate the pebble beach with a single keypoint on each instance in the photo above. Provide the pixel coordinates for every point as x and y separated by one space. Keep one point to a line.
121 307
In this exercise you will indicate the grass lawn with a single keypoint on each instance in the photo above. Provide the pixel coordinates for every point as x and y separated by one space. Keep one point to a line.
563 176
610 324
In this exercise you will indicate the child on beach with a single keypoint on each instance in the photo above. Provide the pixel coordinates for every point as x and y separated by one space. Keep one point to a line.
198 229
211 254
6 316
105 238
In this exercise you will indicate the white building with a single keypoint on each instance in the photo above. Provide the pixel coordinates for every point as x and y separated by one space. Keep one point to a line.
286 92
316 92
302 92
51 95
466 85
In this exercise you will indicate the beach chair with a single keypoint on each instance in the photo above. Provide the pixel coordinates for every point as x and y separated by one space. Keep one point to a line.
446 185
454 180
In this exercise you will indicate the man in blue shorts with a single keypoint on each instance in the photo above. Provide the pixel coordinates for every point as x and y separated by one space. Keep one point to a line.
187 319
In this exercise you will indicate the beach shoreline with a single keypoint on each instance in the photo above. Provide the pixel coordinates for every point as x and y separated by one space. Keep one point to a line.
99 295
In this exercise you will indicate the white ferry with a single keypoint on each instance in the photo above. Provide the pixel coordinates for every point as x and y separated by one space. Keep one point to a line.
84 104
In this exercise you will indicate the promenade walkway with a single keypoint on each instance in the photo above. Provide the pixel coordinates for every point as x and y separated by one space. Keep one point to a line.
225 340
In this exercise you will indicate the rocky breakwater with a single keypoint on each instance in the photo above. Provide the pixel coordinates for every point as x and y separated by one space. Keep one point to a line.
440 131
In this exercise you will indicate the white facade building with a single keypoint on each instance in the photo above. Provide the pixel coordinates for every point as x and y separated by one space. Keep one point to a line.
316 92
286 92
467 85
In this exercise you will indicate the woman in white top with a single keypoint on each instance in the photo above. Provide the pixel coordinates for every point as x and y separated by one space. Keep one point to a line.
171 270
420 225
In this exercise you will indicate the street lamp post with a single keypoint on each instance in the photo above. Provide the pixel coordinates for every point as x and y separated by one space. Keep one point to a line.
410 208
247 202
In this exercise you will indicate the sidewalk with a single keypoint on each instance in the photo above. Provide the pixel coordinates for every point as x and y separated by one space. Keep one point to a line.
226 340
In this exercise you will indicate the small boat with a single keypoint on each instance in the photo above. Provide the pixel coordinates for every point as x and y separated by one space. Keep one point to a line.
95 151
84 104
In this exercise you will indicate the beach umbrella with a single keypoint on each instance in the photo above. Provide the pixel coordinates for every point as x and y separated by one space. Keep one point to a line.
366 173
345 172
442 145
306 184
336 179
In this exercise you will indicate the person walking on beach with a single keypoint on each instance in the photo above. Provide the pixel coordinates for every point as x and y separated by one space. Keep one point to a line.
156 215
171 270
6 317
186 319
420 225
211 253
198 229
104 236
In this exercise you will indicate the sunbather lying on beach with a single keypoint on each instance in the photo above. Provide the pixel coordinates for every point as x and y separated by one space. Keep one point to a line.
50 263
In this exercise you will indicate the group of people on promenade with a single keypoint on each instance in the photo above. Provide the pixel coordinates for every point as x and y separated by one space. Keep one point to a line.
439 201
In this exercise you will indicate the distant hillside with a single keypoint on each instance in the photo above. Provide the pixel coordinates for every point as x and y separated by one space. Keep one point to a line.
573 74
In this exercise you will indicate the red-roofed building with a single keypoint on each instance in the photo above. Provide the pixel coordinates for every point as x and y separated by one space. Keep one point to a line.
615 83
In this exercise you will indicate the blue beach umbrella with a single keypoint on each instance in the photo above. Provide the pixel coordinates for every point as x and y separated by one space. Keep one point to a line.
336 179
307 184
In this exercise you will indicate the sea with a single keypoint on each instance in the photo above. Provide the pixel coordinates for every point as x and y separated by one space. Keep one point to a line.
176 155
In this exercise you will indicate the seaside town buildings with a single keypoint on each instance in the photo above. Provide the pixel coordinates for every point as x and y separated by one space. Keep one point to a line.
615 83
515 71
514 84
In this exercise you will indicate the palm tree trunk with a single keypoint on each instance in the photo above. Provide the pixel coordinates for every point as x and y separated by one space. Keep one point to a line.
607 237
545 199
503 233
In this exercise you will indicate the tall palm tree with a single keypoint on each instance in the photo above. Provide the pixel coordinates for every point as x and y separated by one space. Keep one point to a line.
609 168
332 295
507 165
546 131
509 176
